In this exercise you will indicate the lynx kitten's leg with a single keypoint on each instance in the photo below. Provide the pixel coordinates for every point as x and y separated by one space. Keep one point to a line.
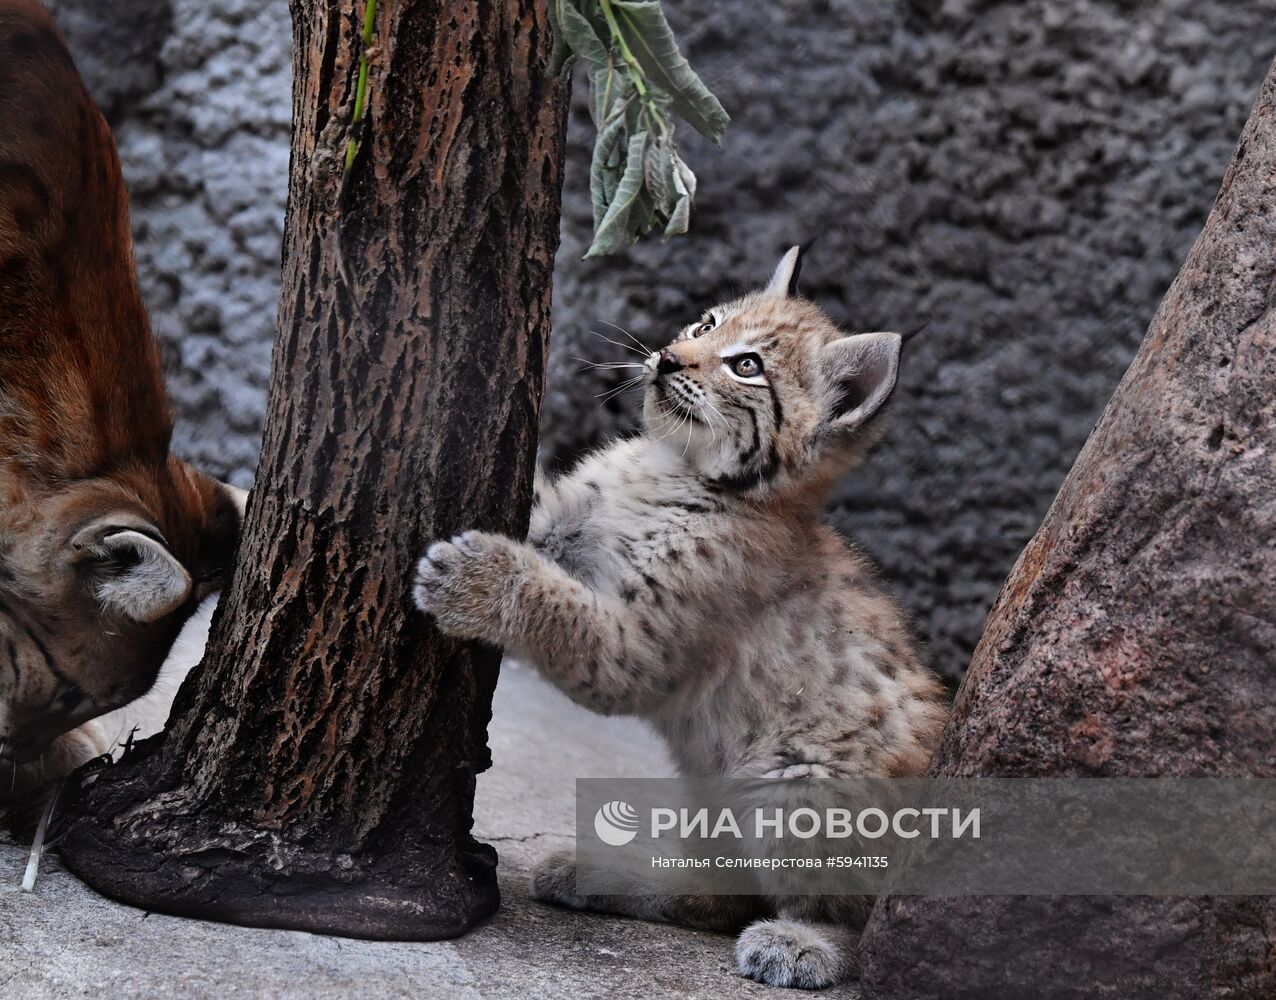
482 586
554 881
785 952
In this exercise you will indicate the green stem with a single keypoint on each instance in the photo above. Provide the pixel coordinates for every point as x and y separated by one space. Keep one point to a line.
635 69
361 90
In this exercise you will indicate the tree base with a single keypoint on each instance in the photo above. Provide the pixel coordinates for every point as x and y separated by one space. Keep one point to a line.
191 864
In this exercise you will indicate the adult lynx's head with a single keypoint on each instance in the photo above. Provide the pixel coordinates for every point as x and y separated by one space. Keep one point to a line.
107 542
765 391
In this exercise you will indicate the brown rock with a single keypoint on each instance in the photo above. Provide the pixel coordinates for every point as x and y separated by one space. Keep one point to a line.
1136 636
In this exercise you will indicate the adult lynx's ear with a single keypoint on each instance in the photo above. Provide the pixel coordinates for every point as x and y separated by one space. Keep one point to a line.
784 281
861 370
130 569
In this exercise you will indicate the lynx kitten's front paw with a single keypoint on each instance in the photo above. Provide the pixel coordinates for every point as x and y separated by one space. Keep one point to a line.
460 582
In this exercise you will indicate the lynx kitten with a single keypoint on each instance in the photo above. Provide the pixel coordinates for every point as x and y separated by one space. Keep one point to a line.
686 576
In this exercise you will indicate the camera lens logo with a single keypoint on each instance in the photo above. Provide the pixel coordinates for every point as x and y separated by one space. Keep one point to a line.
616 823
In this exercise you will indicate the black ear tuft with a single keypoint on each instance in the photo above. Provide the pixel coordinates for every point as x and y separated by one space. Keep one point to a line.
804 248
784 279
797 269
908 335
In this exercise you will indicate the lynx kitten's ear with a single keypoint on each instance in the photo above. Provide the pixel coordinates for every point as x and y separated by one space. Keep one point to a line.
784 281
130 570
861 370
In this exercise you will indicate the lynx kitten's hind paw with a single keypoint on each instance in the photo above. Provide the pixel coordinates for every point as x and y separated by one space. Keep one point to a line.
789 953
554 881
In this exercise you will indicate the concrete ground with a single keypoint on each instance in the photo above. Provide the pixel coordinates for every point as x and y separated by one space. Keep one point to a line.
65 941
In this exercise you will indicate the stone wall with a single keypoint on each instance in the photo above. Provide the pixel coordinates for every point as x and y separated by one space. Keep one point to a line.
1026 176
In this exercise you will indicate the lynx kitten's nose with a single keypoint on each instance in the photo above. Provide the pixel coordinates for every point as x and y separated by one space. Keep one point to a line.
667 362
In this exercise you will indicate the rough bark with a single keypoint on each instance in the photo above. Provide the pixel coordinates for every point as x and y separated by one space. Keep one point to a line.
1136 636
320 770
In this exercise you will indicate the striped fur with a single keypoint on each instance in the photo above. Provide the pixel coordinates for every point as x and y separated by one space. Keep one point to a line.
687 576
107 542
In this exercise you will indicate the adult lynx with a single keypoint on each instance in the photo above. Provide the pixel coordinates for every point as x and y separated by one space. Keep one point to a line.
108 543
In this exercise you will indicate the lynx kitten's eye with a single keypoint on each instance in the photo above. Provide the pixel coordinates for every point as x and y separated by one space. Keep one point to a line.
703 328
747 365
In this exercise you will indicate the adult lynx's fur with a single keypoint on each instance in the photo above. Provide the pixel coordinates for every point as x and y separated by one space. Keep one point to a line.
108 543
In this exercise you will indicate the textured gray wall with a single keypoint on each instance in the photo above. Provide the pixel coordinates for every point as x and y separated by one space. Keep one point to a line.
1025 175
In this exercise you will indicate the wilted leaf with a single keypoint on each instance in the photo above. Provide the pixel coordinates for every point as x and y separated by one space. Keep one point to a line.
685 174
680 217
562 56
602 168
637 80
652 42
655 170
644 216
573 31
604 85
613 231
560 53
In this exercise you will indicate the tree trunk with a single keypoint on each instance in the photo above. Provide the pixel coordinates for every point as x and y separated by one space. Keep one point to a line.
1135 637
319 772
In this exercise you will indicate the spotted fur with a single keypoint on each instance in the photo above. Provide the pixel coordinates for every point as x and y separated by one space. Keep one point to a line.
108 543
686 576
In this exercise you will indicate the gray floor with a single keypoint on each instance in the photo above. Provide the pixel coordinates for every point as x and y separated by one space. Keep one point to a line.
65 941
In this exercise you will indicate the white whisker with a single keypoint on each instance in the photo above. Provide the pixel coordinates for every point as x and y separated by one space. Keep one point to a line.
682 417
617 343
645 348
610 364
711 412
625 386
665 417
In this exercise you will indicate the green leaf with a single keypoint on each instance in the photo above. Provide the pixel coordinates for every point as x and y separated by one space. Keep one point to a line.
613 231
648 35
572 31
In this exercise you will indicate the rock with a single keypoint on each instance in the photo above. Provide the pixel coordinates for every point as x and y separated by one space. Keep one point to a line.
1135 637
